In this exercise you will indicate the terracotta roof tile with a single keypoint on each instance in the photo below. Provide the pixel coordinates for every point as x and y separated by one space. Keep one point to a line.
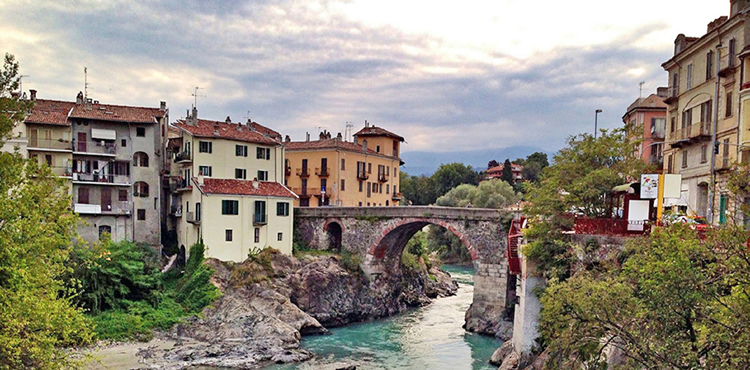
377 131
245 187
119 113
328 144
50 112
229 131
498 169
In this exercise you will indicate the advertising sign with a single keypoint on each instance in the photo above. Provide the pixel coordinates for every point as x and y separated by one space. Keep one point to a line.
649 186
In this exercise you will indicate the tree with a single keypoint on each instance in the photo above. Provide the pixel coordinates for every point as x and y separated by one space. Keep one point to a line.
533 166
507 174
492 163
36 229
448 176
417 189
493 193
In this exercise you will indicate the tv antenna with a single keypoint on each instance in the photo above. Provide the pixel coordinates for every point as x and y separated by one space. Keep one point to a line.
640 90
195 95
249 120
348 130
20 82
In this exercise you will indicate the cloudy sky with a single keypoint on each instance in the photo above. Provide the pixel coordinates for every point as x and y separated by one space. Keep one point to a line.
450 76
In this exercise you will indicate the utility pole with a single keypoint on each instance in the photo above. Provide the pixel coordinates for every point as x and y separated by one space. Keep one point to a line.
714 124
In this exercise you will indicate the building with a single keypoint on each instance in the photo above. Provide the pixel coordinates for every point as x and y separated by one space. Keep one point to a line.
115 168
497 172
649 117
49 135
227 179
704 85
335 172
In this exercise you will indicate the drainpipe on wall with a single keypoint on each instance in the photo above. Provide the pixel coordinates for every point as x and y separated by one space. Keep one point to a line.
712 178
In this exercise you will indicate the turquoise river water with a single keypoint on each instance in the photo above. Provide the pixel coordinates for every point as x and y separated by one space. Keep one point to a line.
426 338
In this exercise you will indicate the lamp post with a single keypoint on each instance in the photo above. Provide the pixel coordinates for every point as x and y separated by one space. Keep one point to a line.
712 177
596 119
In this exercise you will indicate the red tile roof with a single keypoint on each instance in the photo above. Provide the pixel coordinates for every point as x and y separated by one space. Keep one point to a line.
50 112
377 131
118 113
497 169
328 144
229 131
245 187
265 130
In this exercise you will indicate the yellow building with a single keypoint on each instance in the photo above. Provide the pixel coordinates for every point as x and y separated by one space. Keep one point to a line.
699 67
226 184
332 171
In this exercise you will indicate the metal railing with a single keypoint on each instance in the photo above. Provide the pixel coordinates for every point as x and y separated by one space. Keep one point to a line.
396 196
176 210
303 192
322 172
260 219
693 131
120 207
58 144
382 177
97 147
182 157
303 172
101 178
362 174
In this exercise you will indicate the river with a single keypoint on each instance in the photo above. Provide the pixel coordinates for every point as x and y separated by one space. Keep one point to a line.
426 338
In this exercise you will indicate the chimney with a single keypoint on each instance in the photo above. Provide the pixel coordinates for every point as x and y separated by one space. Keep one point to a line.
216 129
338 136
228 120
162 105
662 92
256 183
287 139
33 94
367 124
308 136
79 98
322 135
200 179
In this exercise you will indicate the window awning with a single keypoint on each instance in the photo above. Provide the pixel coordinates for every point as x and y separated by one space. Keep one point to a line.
103 134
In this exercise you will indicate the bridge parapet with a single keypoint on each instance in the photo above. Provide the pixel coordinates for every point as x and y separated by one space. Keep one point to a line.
445 213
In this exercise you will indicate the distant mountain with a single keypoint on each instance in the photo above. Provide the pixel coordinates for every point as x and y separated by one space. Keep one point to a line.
425 163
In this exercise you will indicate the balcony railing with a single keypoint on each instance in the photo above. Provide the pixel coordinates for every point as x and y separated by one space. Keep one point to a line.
694 131
362 175
95 147
178 185
101 178
396 196
302 192
382 177
191 217
260 219
303 172
672 94
116 208
182 157
62 171
176 210
610 226
322 172
58 144
317 192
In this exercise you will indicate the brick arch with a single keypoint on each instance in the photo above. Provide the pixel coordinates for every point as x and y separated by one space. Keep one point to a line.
378 249
336 220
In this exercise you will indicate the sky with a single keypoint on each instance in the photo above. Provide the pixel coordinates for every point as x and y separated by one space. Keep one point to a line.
450 76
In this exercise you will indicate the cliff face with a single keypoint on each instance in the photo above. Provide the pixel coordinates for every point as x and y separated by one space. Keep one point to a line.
270 301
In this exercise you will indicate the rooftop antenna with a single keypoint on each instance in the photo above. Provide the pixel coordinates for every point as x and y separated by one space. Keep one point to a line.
640 90
348 130
250 120
20 82
195 95
85 83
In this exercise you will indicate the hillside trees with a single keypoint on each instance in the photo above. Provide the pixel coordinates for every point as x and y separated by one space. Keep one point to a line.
423 190
37 317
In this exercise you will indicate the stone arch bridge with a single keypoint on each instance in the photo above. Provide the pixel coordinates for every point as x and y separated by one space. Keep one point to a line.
379 235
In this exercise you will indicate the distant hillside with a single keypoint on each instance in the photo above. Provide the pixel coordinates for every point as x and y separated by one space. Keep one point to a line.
425 163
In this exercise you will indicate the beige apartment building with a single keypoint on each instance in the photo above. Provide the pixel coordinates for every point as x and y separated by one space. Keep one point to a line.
334 172
227 188
693 105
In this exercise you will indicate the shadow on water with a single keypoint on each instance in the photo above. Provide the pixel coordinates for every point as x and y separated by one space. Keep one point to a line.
430 337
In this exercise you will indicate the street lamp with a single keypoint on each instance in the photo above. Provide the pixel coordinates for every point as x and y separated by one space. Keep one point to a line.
596 119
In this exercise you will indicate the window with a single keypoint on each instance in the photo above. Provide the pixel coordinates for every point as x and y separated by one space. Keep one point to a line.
230 207
687 118
83 195
726 149
204 147
204 170
124 143
263 153
141 214
323 184
279 236
343 164
709 64
669 164
343 185
282 209
360 204
197 211
122 195
104 231
240 150
706 111
377 148
360 186
260 212
684 158
140 189
394 189
728 109
704 153
140 159
732 51
257 235
675 84
228 235
369 186
689 76
121 168
387 189
369 168
48 160
240 173
262 175
140 131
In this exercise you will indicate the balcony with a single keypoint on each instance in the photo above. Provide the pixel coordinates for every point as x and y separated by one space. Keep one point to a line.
672 95
94 148
693 133
183 157
382 177
727 66
53 145
191 218
260 219
176 210
657 160
180 185
362 175
303 172
116 208
101 179
62 171
302 192
724 164
318 192
322 172
397 196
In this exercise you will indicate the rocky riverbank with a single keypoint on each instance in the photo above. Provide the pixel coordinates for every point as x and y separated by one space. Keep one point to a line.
271 300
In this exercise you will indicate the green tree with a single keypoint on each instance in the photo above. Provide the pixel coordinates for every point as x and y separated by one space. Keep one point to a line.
420 190
492 163
507 174
448 176
533 166
36 229
493 193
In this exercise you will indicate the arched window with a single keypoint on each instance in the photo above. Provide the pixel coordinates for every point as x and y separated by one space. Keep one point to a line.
105 232
140 159
140 189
